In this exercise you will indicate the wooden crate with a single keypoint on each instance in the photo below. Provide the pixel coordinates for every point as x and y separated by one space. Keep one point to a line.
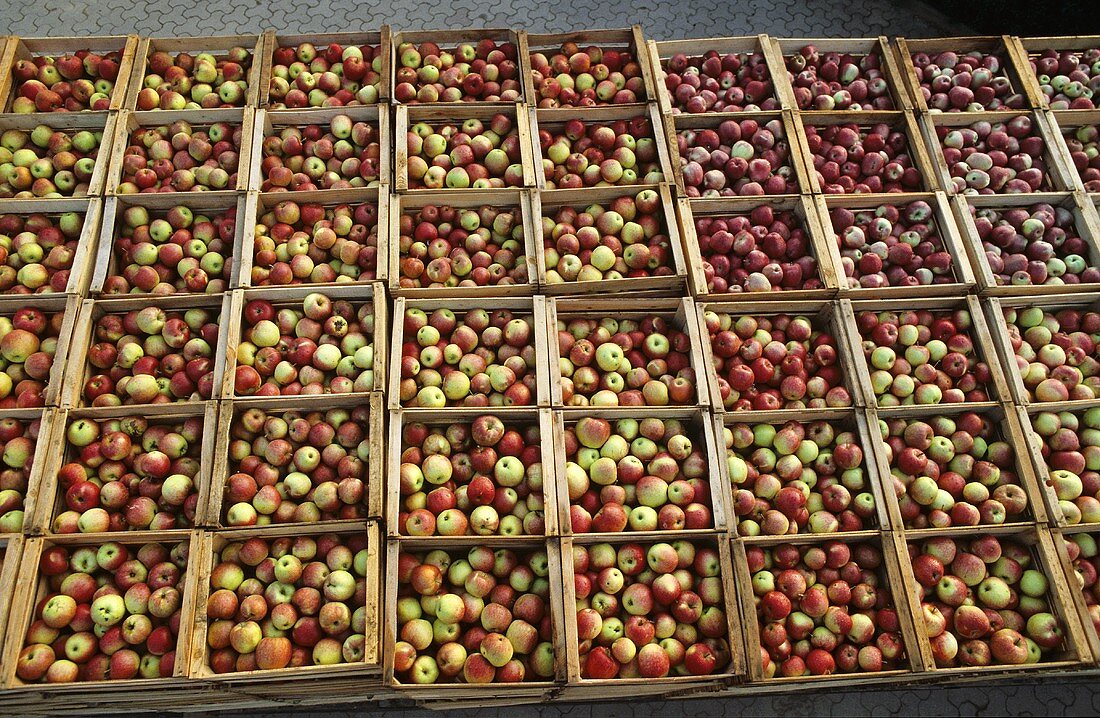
102 124
824 315
700 430
1056 173
1037 539
447 41
291 298
553 121
805 208
679 313
409 204
31 588
68 305
1086 222
78 369
129 121
47 420
217 45
1000 45
944 227
889 575
223 467
381 37
1060 125
984 349
547 202
108 263
27 48
1028 49
206 558
268 123
1060 537
628 38
444 113
661 51
858 421
519 418
904 122
535 307
1031 441
82 264
51 496
1006 427
580 688
503 692
259 204
792 130
858 47
994 313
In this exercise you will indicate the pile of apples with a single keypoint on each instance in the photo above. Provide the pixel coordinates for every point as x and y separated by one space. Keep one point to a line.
18 443
176 251
37 251
801 477
715 82
595 154
343 155
445 246
965 82
763 251
1069 449
1069 79
737 159
482 477
923 357
849 159
838 81
983 602
83 80
28 345
471 154
622 239
333 76
47 163
891 246
1084 149
1037 245
129 474
477 359
650 610
625 362
313 244
481 616
824 609
1083 552
192 82
327 347
952 471
473 72
586 77
995 157
149 356
110 612
181 158
1056 353
775 362
636 475
297 467
288 602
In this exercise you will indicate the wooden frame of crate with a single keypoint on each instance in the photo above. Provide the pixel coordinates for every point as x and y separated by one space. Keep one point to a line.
217 44
26 48
105 124
889 67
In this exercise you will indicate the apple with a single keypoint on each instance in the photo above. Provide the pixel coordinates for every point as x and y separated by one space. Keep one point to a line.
306 243
181 157
838 81
344 154
849 158
746 158
1004 157
482 71
719 82
586 154
28 346
46 162
965 81
37 251
187 81
332 76
574 76
1082 142
470 154
83 80
1056 354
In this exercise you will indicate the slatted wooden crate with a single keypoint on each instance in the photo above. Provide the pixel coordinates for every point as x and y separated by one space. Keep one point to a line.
215 512
527 250
274 41
27 48
258 205
82 264
218 46
101 124
344 676
448 40
44 422
1029 49
68 307
51 500
785 48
